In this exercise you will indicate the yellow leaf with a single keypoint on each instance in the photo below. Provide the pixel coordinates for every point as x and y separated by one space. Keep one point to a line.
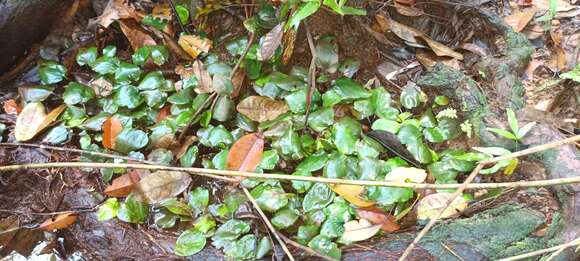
404 174
28 121
351 193
429 206
511 167
359 230
194 45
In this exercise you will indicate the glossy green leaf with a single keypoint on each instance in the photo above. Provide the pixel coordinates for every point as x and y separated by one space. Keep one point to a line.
198 199
411 96
133 211
345 133
318 197
344 89
327 54
128 96
270 198
189 242
189 157
131 140
270 159
127 73
87 55
285 218
75 93
51 72
321 119
105 65
108 209
324 245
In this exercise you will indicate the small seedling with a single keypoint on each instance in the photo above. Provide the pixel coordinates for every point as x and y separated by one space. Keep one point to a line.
516 133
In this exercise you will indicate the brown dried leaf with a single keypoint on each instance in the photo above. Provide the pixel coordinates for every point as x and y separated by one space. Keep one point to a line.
51 117
61 221
162 11
518 21
378 216
558 62
408 10
260 108
288 43
161 185
8 228
163 113
28 121
194 45
166 141
429 60
179 151
136 35
123 185
101 86
115 10
238 82
204 81
271 42
11 107
111 128
246 153
352 194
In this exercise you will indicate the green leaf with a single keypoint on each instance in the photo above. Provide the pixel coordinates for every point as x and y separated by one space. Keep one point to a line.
349 67
387 196
182 13
152 81
56 135
409 134
222 84
345 133
318 197
154 98
512 120
336 166
327 54
495 151
441 100
141 55
161 156
321 119
524 130
176 206
127 73
131 140
159 54
35 93
205 225
314 162
341 9
220 159
297 100
270 159
128 96
386 125
242 249
108 209
503 133
332 228
109 51
270 198
87 55
285 218
105 65
301 186
198 199
133 211
304 10
189 242
264 246
411 96
223 109
306 233
289 145
324 245
231 230
189 157
51 72
344 89
75 93
164 219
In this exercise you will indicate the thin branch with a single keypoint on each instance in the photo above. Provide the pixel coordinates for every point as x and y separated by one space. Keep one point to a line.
268 224
94 153
534 149
434 220
246 50
172 4
311 74
575 242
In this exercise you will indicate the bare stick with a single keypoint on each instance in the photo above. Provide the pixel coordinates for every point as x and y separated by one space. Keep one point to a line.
98 154
246 50
268 224
534 149
213 173
433 220
311 75
575 242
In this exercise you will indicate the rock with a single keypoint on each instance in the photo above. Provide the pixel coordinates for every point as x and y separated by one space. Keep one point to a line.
23 23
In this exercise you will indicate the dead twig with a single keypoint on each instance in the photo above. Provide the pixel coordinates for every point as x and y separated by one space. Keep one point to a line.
311 74
560 248
268 224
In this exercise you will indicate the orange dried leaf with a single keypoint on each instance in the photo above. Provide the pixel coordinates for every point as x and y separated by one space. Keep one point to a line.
246 153
163 113
194 45
518 21
123 185
111 129
378 216
408 10
352 194
11 107
115 10
61 221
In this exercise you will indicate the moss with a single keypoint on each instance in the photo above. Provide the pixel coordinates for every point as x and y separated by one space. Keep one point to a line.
519 49
485 235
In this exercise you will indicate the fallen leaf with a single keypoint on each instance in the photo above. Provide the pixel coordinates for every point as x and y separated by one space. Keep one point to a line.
476 49
28 121
359 230
260 108
179 151
429 206
136 35
115 10
270 43
404 174
246 153
557 62
101 86
408 10
61 221
111 128
238 82
8 229
429 60
352 194
204 80
51 117
162 11
161 185
378 216
563 8
288 43
518 21
123 185
410 35
11 107
194 45
163 113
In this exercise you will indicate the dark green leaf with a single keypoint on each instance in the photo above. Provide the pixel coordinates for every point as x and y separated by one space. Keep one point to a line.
198 199
127 73
51 72
189 242
325 246
133 211
87 55
128 96
130 140
345 133
105 65
285 218
75 93
270 198
318 197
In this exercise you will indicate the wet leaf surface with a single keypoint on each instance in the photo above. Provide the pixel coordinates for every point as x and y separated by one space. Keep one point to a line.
161 185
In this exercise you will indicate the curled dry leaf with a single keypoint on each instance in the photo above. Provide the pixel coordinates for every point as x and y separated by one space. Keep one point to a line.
246 153
378 216
429 206
359 230
410 35
111 128
162 11
115 10
204 80
161 185
136 35
11 107
271 42
179 151
61 221
33 119
238 82
260 108
124 184
404 174
352 194
518 21
408 10
194 45
429 60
